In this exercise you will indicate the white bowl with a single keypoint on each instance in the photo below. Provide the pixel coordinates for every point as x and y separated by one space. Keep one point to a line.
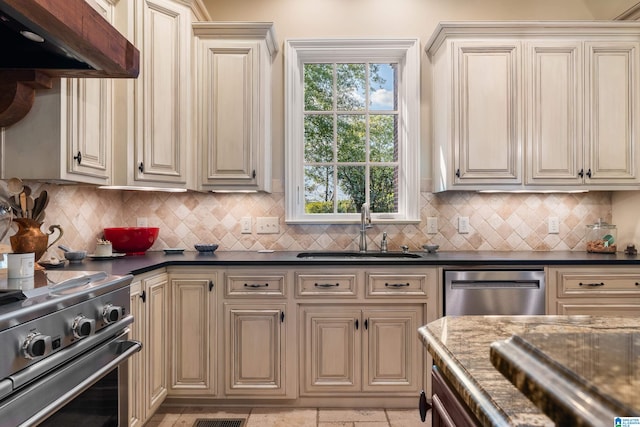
430 248
75 256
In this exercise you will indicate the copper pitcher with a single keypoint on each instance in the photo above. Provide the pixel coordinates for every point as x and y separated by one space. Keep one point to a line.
29 237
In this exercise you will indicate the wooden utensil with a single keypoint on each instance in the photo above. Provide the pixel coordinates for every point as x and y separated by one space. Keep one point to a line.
23 204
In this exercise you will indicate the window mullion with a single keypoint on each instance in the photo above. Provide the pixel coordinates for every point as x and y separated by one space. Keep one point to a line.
335 140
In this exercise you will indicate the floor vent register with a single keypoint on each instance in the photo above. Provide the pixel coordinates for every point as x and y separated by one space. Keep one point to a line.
219 422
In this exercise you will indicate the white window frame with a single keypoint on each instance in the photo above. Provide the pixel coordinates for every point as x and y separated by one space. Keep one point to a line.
404 52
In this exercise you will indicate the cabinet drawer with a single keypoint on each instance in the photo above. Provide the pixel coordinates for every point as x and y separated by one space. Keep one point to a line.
578 284
386 285
326 284
253 285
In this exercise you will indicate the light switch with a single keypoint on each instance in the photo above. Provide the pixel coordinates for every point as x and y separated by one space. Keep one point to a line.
432 225
463 224
245 225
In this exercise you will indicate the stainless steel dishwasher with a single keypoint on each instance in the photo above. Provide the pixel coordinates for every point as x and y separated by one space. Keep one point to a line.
494 292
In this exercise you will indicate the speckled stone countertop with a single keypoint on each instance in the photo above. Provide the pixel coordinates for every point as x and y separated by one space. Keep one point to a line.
578 378
460 347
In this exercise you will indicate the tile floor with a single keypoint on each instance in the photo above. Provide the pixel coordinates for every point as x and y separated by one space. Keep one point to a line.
298 417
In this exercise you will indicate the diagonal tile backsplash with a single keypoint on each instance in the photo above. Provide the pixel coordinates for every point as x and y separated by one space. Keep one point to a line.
498 222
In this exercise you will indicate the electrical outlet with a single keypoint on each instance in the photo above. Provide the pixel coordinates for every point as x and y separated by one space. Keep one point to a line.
245 225
432 225
141 222
267 225
463 224
554 225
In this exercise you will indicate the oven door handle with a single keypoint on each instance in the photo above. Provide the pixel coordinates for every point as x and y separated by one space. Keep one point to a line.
42 398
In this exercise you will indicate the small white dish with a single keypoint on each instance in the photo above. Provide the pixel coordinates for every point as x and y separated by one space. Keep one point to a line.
170 251
431 248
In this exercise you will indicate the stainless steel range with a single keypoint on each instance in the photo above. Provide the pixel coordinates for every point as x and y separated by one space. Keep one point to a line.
63 340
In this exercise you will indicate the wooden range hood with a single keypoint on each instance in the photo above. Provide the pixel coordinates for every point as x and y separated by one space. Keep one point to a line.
72 40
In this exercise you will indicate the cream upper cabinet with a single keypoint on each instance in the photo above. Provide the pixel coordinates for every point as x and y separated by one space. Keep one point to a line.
535 105
583 102
477 114
233 63
154 136
67 136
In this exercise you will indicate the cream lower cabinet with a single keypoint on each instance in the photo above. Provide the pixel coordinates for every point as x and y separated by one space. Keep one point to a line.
193 335
358 330
602 291
148 368
259 361
348 349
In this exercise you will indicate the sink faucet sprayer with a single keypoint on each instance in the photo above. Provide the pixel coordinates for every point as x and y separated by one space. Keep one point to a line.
365 222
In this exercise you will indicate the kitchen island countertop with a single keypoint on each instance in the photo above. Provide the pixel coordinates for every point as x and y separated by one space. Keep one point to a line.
460 347
138 264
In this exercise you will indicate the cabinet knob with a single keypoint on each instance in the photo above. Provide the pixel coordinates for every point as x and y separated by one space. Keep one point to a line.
78 157
589 173
458 173
141 167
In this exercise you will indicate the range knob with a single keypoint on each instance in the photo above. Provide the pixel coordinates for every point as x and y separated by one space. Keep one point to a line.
36 345
111 313
83 327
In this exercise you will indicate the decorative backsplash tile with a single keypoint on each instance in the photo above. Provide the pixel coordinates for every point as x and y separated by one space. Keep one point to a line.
498 221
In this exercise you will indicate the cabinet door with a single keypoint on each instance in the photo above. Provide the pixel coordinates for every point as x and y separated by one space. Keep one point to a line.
136 362
90 119
89 122
554 113
193 332
612 101
332 350
487 123
162 96
393 349
230 79
157 332
255 355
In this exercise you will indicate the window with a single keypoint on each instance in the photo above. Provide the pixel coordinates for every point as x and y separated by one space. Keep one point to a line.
352 130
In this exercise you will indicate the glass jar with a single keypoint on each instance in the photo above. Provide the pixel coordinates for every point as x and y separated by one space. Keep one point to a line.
601 237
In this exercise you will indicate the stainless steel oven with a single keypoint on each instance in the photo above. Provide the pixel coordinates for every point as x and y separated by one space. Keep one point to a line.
63 348
494 292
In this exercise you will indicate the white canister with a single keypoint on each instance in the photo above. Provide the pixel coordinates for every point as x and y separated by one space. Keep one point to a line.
20 266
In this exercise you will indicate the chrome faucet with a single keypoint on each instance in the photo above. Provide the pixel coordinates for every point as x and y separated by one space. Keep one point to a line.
365 222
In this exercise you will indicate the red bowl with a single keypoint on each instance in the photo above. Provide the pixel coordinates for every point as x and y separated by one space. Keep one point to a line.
131 240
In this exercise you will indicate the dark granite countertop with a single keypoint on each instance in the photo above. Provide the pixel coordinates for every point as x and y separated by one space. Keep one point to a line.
157 259
460 346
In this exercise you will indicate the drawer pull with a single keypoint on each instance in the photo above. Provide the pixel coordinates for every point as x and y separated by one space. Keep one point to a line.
327 285
397 285
256 285
592 285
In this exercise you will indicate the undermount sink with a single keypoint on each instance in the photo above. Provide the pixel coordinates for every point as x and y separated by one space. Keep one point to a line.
357 255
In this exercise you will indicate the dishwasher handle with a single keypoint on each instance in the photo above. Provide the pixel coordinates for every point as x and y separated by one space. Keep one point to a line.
494 284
